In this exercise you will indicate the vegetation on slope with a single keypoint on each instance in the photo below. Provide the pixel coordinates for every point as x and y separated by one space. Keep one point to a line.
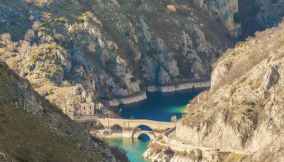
32 130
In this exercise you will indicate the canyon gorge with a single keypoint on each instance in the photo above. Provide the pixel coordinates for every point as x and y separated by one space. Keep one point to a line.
87 57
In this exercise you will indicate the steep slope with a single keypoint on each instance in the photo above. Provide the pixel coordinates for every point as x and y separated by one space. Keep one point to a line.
81 53
240 119
226 11
33 130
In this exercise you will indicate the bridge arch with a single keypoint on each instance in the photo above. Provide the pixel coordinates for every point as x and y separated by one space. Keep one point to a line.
143 127
145 136
116 128
142 130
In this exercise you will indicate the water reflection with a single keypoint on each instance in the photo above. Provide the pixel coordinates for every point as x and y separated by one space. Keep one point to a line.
158 107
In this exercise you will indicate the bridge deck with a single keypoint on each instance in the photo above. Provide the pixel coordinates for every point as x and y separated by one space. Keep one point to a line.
130 123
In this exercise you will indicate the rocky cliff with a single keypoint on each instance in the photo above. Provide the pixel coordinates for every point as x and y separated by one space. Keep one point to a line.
226 11
31 129
82 53
241 118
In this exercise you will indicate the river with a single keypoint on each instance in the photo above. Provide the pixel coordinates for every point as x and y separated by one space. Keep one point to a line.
157 107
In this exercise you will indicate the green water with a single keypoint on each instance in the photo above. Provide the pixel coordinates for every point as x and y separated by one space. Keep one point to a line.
158 107
134 151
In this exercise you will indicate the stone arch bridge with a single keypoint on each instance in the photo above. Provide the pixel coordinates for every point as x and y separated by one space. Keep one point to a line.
132 128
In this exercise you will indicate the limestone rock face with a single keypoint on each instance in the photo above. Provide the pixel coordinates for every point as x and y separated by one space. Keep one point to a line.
112 49
241 117
106 48
32 129
226 10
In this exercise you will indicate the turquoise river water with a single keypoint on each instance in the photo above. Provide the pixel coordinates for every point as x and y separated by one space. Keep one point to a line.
157 107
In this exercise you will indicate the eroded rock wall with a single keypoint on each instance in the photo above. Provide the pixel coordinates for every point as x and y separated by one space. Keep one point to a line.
226 10
81 54
241 117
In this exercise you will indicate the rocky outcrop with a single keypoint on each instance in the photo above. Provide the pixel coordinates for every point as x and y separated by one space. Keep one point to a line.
241 117
81 54
31 129
226 10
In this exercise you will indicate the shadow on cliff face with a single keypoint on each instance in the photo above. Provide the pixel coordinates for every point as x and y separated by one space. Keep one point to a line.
257 15
248 11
